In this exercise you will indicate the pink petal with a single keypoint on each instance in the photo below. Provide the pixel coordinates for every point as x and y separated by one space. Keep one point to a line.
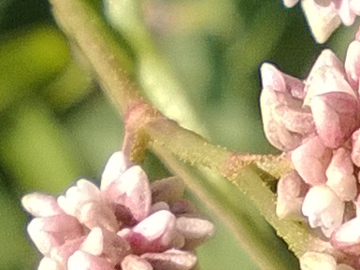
291 192
51 232
114 168
311 160
286 123
352 64
355 6
62 253
133 262
323 20
347 237
290 3
131 191
97 214
333 102
355 154
154 234
336 116
272 77
345 13
105 243
167 190
81 260
324 209
195 230
171 260
75 197
41 205
49 264
340 175
327 60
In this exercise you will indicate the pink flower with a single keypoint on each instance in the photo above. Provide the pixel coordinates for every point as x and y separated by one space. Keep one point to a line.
324 16
317 123
324 209
126 224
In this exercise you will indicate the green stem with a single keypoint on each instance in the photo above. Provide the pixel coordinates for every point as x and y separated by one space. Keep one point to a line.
81 23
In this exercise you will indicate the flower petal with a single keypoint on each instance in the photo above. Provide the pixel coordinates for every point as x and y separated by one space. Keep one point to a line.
171 260
47 263
311 160
167 190
132 191
290 195
41 205
322 20
114 168
133 262
107 244
347 237
323 208
81 260
290 3
340 175
75 197
195 230
51 232
156 233
352 64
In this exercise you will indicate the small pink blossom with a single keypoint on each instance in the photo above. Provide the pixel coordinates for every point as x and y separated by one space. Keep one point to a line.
324 209
311 160
326 158
324 16
126 224
291 191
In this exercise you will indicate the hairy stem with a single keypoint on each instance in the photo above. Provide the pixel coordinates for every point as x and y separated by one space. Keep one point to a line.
84 27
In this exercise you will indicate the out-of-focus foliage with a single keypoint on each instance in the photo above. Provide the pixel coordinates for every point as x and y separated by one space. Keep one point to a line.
56 125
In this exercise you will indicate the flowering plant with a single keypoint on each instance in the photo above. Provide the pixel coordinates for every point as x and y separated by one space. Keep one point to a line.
127 224
308 194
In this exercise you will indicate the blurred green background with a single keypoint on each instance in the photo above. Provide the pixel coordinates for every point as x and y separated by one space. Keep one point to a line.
56 125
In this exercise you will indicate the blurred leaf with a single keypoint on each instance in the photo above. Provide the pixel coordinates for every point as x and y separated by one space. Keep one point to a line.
97 130
37 151
15 250
28 60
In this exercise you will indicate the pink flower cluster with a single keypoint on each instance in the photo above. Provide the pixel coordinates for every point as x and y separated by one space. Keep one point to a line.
324 16
127 224
316 122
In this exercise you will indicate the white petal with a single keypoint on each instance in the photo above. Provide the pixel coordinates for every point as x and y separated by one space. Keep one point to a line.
322 20
41 239
192 228
160 224
131 190
41 205
290 3
49 264
94 242
171 259
81 260
133 262
272 77
114 168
